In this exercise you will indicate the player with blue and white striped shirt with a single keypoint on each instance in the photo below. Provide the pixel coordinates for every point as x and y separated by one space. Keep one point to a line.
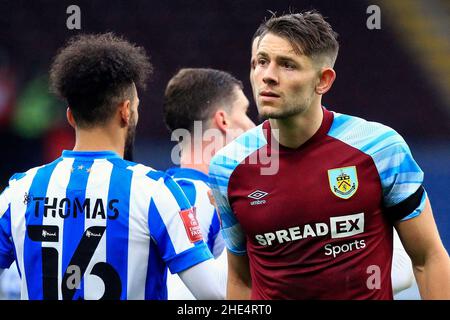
205 108
91 225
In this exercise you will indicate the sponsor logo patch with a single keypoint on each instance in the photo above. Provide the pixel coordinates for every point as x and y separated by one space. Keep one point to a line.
189 217
338 227
43 233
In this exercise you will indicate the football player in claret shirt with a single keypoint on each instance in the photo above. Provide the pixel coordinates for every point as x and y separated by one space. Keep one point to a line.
91 225
204 103
402 274
308 198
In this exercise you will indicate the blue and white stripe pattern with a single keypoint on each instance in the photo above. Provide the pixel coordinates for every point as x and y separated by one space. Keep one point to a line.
131 211
221 168
399 173
195 185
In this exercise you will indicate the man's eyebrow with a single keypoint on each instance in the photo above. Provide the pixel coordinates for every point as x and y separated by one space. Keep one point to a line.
278 58
285 58
263 54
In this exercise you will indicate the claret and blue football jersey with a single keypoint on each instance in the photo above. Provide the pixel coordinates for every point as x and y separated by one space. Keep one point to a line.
91 225
316 221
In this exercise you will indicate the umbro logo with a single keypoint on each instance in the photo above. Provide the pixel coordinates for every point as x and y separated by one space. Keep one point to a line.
257 195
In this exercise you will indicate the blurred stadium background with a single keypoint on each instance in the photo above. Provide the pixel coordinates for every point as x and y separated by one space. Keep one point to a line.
398 75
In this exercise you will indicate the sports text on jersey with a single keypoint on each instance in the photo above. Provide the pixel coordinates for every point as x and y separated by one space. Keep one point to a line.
340 227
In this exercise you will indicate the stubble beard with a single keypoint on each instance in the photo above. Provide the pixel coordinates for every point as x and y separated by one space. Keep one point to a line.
129 142
286 110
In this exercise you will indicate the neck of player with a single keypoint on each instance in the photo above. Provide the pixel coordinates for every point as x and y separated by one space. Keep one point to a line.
99 139
195 155
299 128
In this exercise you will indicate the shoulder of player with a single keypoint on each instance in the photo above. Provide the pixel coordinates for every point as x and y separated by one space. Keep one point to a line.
18 177
20 181
188 175
146 173
195 185
147 176
367 136
191 183
238 149
157 183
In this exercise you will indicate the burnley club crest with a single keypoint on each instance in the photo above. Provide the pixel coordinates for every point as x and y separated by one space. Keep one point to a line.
343 181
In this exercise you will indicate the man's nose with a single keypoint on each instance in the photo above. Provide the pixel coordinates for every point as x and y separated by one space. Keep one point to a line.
270 75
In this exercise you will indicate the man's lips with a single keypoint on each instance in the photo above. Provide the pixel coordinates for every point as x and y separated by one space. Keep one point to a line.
268 94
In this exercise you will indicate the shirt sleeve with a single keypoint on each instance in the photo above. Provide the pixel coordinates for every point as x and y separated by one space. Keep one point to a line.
401 179
206 214
220 170
6 244
216 235
175 229
209 272
401 273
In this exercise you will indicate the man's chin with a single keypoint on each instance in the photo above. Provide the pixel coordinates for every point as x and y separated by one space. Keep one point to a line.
270 112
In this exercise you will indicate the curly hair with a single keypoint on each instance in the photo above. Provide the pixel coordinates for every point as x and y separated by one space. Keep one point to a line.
193 94
94 73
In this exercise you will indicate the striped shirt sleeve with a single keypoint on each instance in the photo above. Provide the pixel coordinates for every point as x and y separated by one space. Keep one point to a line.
197 194
401 178
6 245
175 229
220 170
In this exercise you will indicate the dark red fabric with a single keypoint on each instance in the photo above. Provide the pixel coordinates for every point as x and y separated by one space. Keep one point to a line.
299 195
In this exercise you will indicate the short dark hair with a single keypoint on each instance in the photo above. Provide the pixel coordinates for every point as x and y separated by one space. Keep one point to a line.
259 31
95 72
193 94
308 33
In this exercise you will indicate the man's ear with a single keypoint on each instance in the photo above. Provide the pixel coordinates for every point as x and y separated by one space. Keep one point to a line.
220 120
327 77
125 112
70 118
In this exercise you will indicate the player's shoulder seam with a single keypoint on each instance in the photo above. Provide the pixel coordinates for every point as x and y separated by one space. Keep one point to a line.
146 173
363 134
193 182
245 144
18 176
345 120
138 168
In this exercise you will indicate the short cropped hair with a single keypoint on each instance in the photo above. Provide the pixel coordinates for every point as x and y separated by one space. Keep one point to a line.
93 73
194 95
308 33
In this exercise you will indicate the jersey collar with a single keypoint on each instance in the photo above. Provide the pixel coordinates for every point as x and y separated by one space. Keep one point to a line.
90 154
320 133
